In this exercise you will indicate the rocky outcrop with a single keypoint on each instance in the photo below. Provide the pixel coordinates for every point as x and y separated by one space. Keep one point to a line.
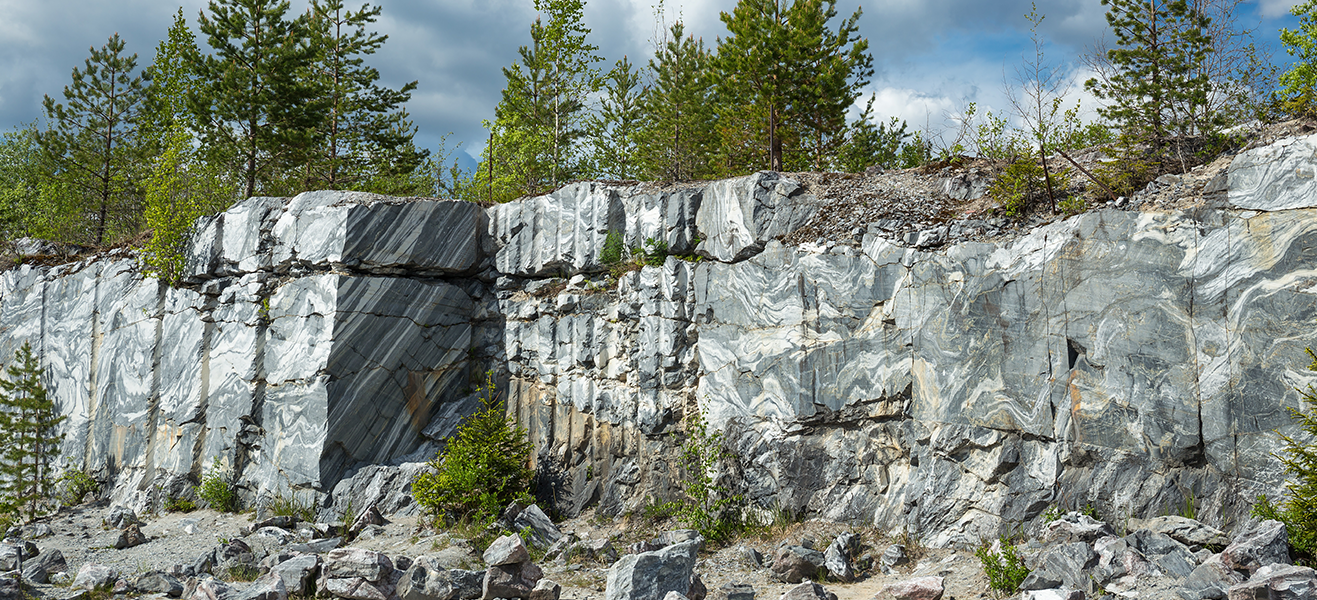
329 342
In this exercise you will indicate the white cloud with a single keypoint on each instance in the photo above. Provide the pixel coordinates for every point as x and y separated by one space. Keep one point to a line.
1275 8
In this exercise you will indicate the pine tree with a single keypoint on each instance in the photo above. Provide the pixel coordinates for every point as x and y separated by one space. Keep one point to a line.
756 78
832 67
869 144
29 425
94 144
613 131
31 199
258 108
179 187
678 138
365 133
1157 85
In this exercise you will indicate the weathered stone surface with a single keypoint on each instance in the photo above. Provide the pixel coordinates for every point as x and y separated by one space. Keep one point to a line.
356 563
159 583
129 537
39 569
1187 531
543 533
211 589
267 587
733 591
1075 527
545 590
795 563
515 580
91 576
427 579
918 588
1278 176
806 591
1211 579
651 575
506 550
737 216
1063 564
838 557
1263 544
11 587
1278 582
298 573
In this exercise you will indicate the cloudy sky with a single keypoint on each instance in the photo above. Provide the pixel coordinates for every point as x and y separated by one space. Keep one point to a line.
932 57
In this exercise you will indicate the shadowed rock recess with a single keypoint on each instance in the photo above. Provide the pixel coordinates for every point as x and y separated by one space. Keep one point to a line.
327 343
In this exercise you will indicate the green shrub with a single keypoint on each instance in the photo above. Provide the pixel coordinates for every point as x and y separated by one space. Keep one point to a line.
710 508
1023 184
1298 509
1005 569
74 485
481 469
216 491
290 506
1126 170
654 252
614 249
182 505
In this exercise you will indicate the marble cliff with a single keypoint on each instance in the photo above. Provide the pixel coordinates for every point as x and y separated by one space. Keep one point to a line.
324 345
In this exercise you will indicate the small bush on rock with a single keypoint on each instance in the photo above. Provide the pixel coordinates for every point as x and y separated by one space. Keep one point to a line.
1298 510
1004 567
710 508
482 469
74 485
614 249
216 491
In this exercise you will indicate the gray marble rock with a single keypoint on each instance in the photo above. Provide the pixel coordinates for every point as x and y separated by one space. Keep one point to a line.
1187 531
93 576
738 216
543 533
43 566
651 575
1278 176
1279 582
298 573
506 550
1265 543
427 579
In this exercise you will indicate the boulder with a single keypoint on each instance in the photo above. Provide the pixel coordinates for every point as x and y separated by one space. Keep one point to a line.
366 518
211 589
1277 582
893 555
130 536
651 575
793 564
93 576
1057 594
357 574
1263 544
235 554
317 546
545 590
807 591
120 517
697 589
278 535
1075 527
838 557
298 574
266 587
1211 579
543 533
919 588
506 550
1063 565
1187 531
426 579
159 583
10 557
515 580
733 591
750 557
48 563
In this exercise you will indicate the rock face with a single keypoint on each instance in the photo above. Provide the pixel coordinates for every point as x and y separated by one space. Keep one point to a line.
328 342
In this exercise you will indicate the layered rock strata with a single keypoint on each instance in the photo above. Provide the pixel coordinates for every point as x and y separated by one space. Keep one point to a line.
1131 360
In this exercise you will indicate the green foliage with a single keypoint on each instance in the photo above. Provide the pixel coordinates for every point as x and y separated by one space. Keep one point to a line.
873 144
1005 569
32 201
538 124
677 139
653 253
216 490
29 442
481 469
1158 87
614 249
94 145
183 505
1127 168
710 507
254 102
1298 509
179 187
615 129
1023 184
1053 513
291 506
242 573
1299 84
74 485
